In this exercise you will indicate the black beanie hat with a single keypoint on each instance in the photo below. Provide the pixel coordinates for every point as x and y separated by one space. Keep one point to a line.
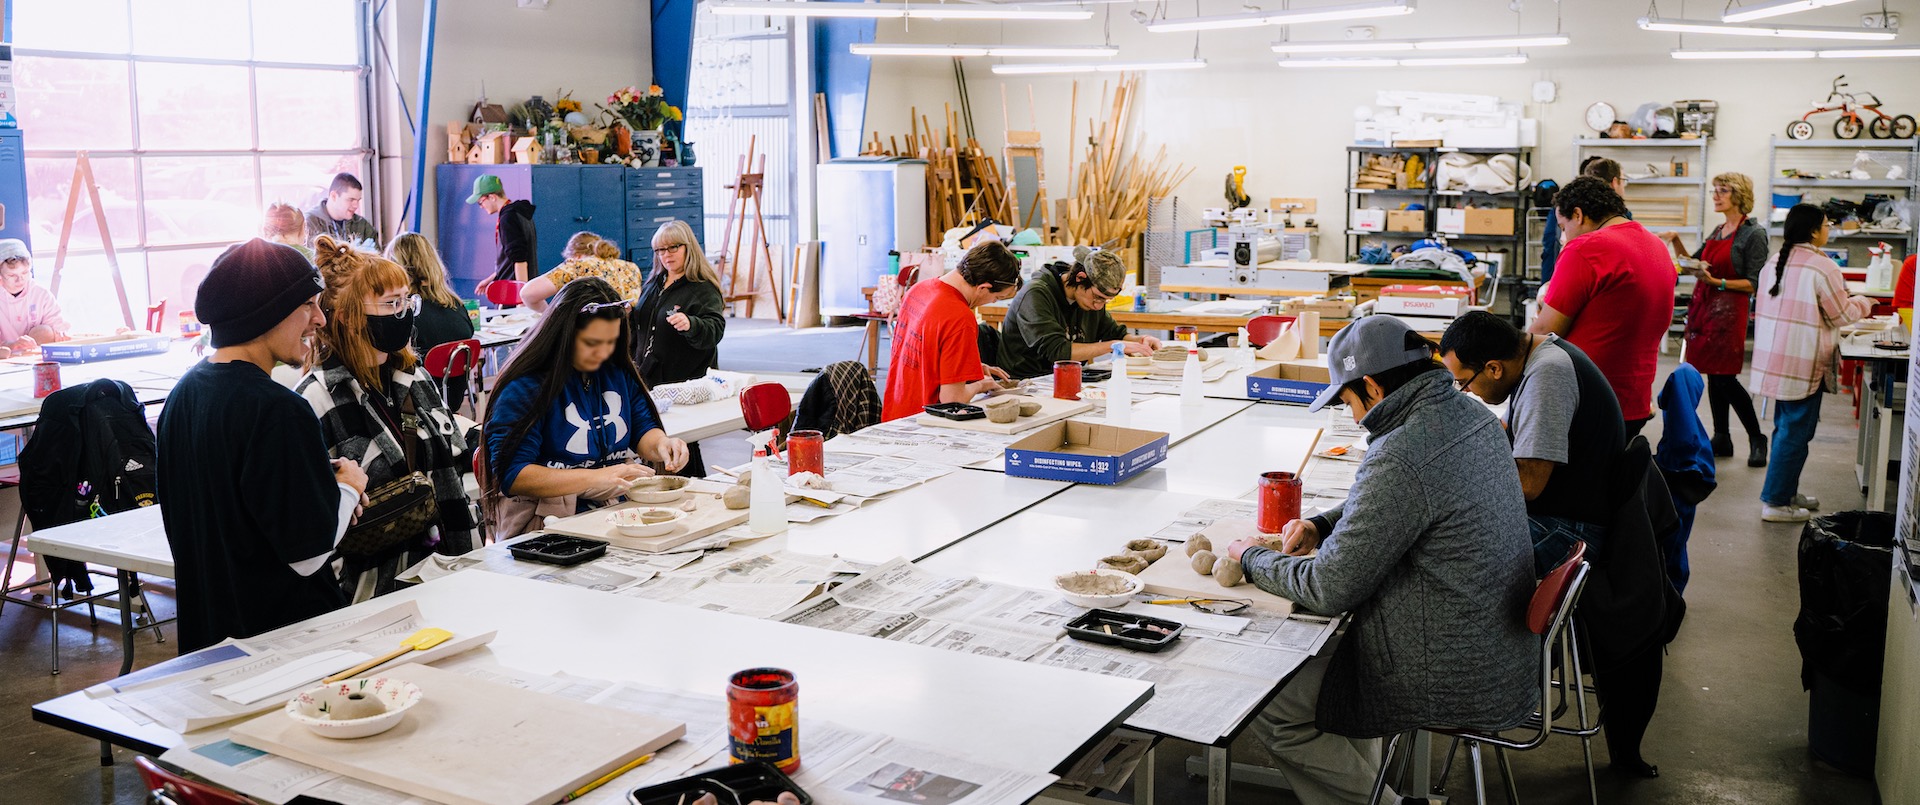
252 287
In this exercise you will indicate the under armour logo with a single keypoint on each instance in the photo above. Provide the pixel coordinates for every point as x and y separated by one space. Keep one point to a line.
577 444
1350 363
319 283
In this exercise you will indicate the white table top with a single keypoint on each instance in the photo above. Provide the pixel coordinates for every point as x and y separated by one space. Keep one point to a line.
1015 715
151 376
1225 461
921 520
1070 531
1859 288
133 540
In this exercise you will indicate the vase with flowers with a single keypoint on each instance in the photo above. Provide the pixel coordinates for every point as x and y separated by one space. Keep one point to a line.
643 111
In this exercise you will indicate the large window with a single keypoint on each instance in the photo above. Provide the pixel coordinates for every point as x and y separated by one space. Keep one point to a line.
195 115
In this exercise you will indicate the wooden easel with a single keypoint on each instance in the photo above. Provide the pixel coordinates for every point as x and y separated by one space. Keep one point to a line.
1024 144
83 176
746 191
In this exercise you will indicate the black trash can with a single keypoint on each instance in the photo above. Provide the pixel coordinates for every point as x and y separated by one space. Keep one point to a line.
1845 564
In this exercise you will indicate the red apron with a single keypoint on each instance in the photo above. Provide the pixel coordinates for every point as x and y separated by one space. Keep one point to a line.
1717 320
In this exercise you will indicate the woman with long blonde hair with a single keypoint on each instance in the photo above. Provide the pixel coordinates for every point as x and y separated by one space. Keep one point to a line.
681 317
378 409
587 255
443 316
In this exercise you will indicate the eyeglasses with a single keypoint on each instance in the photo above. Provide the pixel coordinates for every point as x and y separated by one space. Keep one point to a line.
1721 191
1220 606
595 307
662 251
1469 381
408 304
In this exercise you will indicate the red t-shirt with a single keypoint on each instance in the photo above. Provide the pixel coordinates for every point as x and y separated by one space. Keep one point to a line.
936 342
1903 285
1616 283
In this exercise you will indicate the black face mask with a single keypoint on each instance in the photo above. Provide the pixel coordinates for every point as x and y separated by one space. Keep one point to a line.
390 334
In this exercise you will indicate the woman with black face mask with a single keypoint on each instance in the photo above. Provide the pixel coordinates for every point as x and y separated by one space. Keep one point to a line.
378 408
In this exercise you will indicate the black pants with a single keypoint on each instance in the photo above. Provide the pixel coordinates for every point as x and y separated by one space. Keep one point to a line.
1725 391
1630 691
1634 426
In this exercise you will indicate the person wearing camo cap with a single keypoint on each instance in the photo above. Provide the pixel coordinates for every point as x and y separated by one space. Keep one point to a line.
1062 316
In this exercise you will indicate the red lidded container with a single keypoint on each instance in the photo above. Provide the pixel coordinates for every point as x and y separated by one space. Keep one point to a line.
806 452
763 718
1279 501
1066 380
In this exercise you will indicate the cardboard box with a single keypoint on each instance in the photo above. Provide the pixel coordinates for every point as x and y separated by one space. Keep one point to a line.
1449 220
1340 308
1446 307
1369 220
1294 382
1489 222
125 345
1406 220
1085 452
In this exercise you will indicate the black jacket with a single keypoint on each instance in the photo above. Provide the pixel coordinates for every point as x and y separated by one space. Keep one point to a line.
666 355
1629 605
518 240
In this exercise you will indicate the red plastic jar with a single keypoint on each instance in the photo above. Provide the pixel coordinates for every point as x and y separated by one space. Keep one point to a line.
1066 380
763 718
806 452
1278 502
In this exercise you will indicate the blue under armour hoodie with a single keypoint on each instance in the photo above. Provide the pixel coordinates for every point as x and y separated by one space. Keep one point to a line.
598 419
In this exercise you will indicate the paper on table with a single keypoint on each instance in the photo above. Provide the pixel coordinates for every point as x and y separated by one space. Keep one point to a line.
750 600
886 474
1198 705
778 567
1304 634
1202 515
829 614
881 775
969 639
284 677
897 586
1003 607
266 778
1238 658
1193 618
903 438
591 575
1081 657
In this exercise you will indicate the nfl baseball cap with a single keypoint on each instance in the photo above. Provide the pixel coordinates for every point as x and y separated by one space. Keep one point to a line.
1369 346
485 184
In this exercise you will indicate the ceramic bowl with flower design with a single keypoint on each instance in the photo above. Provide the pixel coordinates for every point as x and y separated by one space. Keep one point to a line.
355 708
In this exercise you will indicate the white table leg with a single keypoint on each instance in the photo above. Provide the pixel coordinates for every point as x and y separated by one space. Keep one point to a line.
1143 777
1219 775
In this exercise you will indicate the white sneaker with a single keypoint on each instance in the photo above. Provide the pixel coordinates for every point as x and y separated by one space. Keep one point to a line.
1807 502
1784 514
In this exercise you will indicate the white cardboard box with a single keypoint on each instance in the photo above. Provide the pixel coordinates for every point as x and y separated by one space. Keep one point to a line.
1444 307
1450 220
1369 220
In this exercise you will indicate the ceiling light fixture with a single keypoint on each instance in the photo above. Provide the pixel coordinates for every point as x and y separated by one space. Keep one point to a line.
1786 31
1902 52
1436 61
1752 53
1111 67
1350 11
1410 45
929 11
1774 8
1067 51
1898 52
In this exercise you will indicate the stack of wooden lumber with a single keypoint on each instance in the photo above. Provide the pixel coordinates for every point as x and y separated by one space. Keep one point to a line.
1111 186
963 180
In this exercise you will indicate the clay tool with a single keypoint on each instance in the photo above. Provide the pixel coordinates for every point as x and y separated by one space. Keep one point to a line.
607 778
1302 472
419 641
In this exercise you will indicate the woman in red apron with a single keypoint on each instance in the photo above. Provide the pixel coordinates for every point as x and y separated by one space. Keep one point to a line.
1716 333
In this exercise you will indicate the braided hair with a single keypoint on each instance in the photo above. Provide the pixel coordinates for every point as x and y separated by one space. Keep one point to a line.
1803 221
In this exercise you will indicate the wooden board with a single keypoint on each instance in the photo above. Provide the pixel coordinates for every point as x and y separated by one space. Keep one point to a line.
713 515
1173 575
1051 410
473 742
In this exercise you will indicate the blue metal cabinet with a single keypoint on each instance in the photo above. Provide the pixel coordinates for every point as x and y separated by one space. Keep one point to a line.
566 199
13 185
656 196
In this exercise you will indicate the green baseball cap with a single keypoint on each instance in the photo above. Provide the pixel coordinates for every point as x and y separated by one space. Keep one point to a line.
486 184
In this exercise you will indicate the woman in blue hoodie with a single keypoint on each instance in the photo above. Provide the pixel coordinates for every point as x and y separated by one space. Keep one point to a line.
570 420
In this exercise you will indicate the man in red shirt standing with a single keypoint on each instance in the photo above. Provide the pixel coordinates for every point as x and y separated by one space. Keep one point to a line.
1611 294
936 347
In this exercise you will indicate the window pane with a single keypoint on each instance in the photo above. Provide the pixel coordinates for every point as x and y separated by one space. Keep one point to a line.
74 103
47 183
51 25
203 29
175 277
199 199
302 181
87 298
193 107
308 110
306 31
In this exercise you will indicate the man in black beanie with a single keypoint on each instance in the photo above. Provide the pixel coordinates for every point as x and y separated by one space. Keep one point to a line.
252 506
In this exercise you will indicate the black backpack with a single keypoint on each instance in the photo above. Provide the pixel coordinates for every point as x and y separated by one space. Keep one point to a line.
91 454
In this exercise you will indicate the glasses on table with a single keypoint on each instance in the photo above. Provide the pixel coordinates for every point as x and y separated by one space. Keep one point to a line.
1221 606
393 307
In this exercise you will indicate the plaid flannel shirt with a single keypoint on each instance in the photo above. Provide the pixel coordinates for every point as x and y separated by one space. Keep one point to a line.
1796 334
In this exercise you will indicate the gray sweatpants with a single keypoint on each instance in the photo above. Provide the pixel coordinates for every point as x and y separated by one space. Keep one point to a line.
1322 768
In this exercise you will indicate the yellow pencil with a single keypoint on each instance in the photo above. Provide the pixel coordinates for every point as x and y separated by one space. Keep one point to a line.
585 789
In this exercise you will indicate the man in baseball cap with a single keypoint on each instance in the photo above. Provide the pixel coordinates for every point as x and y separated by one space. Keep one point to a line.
1062 316
514 231
1431 555
254 507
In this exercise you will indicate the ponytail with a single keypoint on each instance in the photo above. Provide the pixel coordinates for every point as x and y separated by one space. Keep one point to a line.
1802 222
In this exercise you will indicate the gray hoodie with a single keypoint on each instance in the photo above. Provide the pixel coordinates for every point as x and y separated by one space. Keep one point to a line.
1431 555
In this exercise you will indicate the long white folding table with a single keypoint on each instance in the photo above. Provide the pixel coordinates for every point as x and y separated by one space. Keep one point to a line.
921 520
1881 414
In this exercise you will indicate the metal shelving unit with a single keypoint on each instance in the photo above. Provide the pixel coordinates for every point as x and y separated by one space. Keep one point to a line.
1628 154
1514 269
1820 156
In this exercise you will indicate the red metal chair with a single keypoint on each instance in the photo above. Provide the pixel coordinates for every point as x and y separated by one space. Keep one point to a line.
454 359
1261 330
1549 615
766 405
505 293
167 788
871 338
157 316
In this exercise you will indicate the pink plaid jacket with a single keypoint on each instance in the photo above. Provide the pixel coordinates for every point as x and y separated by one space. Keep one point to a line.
1795 334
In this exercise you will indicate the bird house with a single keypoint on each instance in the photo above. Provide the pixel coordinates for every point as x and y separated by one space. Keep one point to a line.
459 142
526 151
494 148
487 114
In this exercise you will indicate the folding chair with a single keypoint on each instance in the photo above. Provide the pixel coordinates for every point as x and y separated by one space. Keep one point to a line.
1261 330
766 405
505 293
167 788
454 359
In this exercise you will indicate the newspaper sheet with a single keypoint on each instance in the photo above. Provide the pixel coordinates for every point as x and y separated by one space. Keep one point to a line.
1083 657
1198 705
1297 632
896 586
1003 607
902 438
829 614
897 771
970 639
880 476
607 578
780 567
1196 519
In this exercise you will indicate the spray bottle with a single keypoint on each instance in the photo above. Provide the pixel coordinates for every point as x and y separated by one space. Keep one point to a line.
1243 354
1120 390
767 501
1880 268
1190 395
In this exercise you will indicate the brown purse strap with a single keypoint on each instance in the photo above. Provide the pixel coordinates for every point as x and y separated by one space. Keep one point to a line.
400 434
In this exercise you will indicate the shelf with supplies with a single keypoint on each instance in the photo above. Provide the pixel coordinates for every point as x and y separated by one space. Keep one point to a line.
1392 164
1660 207
1661 142
1891 184
1895 145
1824 158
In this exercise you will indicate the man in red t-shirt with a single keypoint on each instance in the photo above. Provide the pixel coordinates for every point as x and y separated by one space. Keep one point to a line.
1611 294
936 347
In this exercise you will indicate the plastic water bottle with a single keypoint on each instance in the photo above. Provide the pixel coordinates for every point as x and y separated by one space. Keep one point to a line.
1190 395
767 501
1120 390
1243 354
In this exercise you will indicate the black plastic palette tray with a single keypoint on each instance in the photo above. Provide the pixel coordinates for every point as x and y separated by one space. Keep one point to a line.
1096 375
1125 629
733 785
558 549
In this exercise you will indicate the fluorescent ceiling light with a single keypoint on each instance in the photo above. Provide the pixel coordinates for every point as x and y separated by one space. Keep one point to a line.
1871 53
924 11
1409 45
1754 53
1773 8
1440 61
1787 31
1350 11
1112 67
1088 51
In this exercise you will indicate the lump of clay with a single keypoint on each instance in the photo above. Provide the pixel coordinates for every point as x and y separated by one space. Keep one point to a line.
652 516
1029 408
1228 572
1150 550
745 479
1125 563
1198 543
689 506
1002 414
736 496
1203 563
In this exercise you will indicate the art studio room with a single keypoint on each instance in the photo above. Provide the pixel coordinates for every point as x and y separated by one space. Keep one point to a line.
966 402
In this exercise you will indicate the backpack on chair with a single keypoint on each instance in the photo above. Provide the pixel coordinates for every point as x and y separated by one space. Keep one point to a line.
91 454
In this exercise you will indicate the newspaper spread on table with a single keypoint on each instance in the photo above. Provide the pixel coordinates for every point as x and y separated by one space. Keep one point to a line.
905 439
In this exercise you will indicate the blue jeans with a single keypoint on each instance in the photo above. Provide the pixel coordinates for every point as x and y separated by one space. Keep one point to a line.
1793 425
1555 537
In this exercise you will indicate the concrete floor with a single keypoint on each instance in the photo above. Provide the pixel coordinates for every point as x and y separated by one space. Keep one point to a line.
1731 726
